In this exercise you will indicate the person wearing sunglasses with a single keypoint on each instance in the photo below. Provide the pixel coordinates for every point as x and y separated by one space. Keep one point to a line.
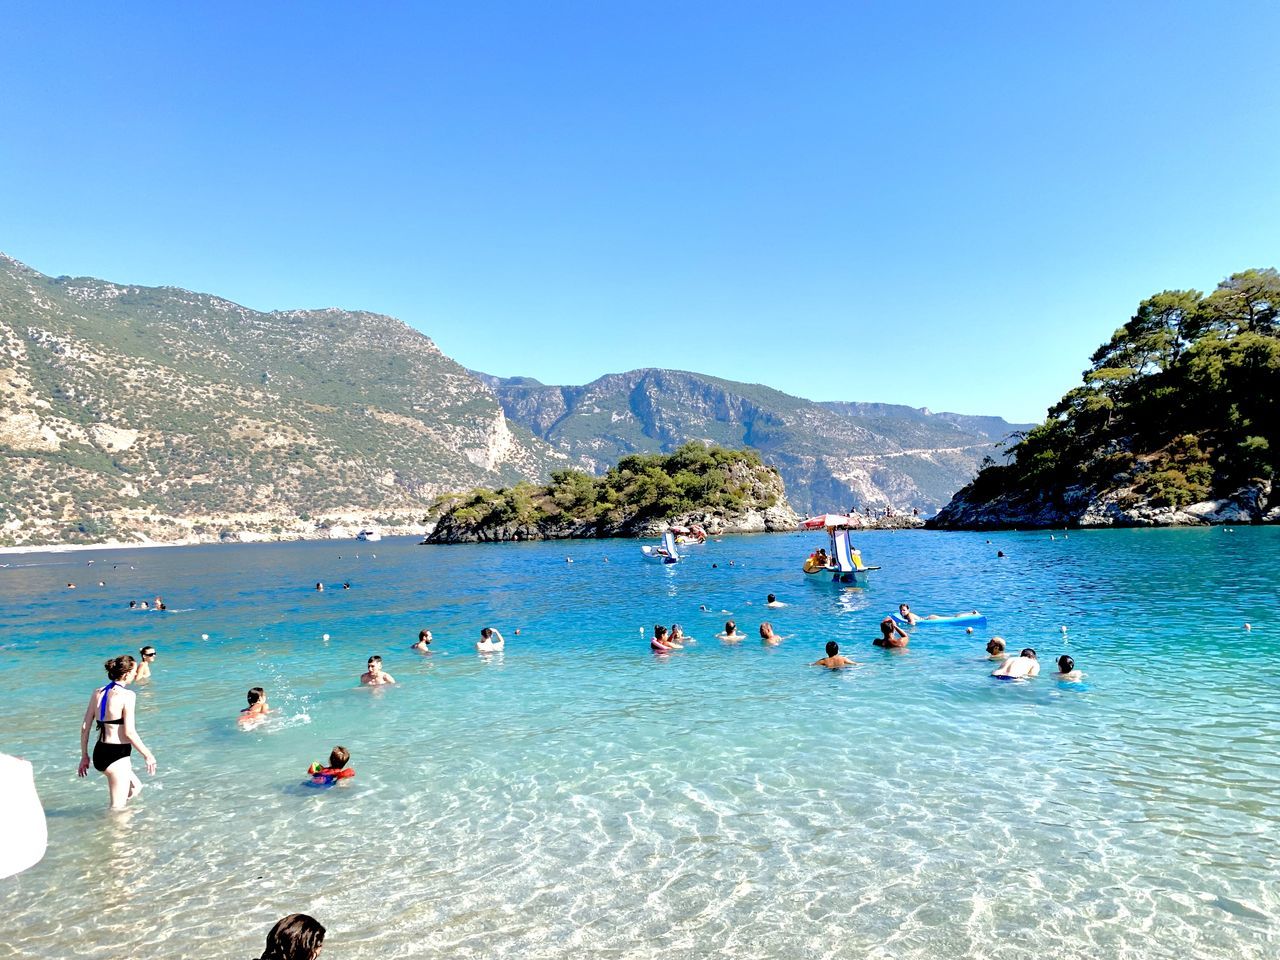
148 657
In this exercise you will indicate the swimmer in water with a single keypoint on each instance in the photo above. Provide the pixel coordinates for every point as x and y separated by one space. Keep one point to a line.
768 637
424 642
773 601
490 641
148 655
661 641
319 588
677 635
1024 664
834 660
257 708
904 613
375 677
1067 671
996 650
133 604
891 636
731 633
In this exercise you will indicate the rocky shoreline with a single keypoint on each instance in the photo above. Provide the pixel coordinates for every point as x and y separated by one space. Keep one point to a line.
1087 507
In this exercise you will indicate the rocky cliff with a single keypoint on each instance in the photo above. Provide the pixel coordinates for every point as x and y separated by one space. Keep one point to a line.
830 455
139 413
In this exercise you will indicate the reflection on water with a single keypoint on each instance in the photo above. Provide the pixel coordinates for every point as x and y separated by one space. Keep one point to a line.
577 796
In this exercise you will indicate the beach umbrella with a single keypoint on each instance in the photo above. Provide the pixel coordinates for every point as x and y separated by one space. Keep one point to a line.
26 834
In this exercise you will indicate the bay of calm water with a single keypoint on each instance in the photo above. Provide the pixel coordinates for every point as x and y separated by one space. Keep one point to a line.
578 796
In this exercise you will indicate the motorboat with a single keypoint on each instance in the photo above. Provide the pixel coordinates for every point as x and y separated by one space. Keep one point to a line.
369 534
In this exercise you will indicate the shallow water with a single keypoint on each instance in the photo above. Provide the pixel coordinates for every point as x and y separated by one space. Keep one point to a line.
578 796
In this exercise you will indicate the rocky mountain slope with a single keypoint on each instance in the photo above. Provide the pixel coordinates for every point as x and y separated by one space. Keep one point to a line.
156 413
830 455
1176 422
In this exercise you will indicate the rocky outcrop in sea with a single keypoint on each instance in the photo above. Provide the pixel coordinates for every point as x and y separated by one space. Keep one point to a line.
1083 506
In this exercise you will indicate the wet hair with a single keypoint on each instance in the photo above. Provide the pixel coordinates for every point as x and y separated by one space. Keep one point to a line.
375 659
770 599
132 604
424 635
118 667
887 626
256 694
730 626
766 628
1066 664
995 645
659 631
902 608
295 937
486 633
1028 652
833 648
338 757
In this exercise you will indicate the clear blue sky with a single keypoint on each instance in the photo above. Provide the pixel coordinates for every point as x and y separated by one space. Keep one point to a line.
956 202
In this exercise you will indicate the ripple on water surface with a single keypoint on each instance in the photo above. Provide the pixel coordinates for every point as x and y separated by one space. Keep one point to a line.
577 796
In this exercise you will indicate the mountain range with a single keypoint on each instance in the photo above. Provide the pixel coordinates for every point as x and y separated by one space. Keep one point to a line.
139 413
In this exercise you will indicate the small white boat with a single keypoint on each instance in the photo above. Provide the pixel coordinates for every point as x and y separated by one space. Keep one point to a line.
667 553
369 534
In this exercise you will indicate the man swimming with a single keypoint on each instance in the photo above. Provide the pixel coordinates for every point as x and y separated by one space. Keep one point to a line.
731 633
1024 664
768 637
891 636
834 660
375 677
773 601
995 649
424 642
904 613
1067 671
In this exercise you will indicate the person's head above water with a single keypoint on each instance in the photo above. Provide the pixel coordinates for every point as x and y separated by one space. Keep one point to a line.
338 757
424 636
730 626
1028 652
295 937
256 694
833 648
118 668
887 626
375 661
903 608
659 631
147 653
771 599
486 633
995 645
766 629
1066 664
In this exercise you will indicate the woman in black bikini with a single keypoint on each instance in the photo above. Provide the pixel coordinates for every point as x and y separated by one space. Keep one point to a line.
111 708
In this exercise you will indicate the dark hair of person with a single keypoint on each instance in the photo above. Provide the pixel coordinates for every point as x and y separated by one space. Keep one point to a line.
146 651
1028 652
486 633
730 626
118 667
770 599
424 635
886 626
375 659
295 937
832 648
659 631
256 694
995 645
1066 664
338 757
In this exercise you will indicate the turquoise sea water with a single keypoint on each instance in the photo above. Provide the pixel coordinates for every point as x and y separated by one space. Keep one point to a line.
578 796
